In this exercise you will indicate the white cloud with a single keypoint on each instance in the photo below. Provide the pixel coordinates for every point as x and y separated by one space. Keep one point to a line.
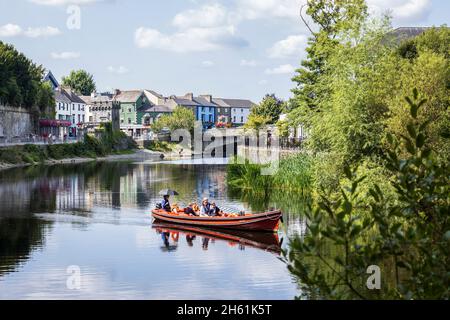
208 64
214 15
256 9
42 32
13 30
248 63
292 46
62 2
189 40
65 55
118 70
283 69
402 10
10 30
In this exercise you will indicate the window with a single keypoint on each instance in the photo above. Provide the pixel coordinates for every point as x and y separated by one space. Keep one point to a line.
73 119
218 110
129 110
234 119
121 121
83 118
129 121
242 110
79 118
242 119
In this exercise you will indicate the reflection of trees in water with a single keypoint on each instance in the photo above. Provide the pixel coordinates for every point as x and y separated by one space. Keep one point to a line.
18 238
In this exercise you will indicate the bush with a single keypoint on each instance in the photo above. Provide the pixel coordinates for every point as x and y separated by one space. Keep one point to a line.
408 239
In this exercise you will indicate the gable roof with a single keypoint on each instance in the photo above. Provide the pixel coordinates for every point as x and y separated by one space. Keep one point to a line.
185 102
238 103
49 77
72 96
61 97
204 102
130 96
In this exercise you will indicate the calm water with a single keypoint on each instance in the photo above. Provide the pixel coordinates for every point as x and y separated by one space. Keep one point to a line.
97 216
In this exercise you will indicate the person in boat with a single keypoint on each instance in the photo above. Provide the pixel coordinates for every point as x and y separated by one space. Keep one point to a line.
175 208
165 204
205 209
215 210
190 210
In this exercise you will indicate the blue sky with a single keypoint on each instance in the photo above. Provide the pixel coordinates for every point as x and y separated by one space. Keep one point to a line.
233 48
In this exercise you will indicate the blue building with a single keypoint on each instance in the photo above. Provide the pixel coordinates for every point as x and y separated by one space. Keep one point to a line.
203 108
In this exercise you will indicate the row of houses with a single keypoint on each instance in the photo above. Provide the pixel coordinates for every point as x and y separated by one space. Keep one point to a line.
135 111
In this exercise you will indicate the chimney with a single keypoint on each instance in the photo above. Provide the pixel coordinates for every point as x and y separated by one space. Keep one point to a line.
207 97
189 96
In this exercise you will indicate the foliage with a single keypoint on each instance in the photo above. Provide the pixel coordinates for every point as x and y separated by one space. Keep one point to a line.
268 110
412 236
293 174
109 143
256 121
334 19
160 146
21 81
181 118
80 81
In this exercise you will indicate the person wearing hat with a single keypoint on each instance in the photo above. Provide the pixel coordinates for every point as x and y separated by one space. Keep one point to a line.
205 209
165 204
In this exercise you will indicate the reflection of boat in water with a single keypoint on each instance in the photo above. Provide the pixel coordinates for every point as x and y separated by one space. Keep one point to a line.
267 221
264 241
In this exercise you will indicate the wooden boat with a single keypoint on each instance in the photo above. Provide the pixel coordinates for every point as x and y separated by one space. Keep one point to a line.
267 221
269 242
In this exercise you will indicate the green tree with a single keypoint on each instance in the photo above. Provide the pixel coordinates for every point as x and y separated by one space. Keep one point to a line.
408 239
20 78
270 109
80 81
181 118
257 122
333 19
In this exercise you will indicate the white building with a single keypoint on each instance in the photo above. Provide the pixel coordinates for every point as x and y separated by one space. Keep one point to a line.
70 107
240 110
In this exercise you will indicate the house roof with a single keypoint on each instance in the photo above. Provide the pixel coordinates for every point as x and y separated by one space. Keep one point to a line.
155 93
185 102
61 97
401 34
204 102
72 96
97 99
220 102
130 96
238 103
50 77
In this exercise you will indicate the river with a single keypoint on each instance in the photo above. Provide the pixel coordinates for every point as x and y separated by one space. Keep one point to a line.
93 221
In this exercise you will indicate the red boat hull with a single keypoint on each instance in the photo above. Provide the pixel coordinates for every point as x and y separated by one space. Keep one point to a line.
267 222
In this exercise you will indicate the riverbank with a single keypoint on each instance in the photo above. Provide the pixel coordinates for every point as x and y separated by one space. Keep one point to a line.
136 155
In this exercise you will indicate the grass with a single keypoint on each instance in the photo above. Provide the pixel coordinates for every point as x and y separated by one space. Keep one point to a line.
293 175
160 146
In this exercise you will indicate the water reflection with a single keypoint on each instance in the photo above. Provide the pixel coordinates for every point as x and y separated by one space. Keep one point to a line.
240 239
97 216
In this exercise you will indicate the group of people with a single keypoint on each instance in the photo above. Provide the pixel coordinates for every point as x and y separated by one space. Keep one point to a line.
206 209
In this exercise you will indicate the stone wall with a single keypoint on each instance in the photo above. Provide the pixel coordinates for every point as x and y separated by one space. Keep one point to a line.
16 122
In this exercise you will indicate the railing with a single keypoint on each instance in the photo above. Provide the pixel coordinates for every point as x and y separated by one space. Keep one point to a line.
37 140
